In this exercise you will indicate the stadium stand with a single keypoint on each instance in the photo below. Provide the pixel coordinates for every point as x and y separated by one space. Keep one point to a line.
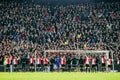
27 28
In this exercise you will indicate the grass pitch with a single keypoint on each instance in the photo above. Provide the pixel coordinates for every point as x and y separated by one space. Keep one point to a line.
58 76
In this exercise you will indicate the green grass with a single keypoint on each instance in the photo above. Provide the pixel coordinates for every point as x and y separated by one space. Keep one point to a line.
58 76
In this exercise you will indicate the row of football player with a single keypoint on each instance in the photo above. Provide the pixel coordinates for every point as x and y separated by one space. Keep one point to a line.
63 60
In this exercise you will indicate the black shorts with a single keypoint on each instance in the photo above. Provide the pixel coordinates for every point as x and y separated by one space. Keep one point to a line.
103 65
81 65
15 65
109 66
45 64
87 65
63 65
38 65
31 64
93 66
8 65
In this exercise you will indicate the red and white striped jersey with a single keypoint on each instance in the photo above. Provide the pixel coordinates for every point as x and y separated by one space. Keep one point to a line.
63 61
46 61
93 61
32 60
15 61
87 60
103 60
38 60
8 60
109 61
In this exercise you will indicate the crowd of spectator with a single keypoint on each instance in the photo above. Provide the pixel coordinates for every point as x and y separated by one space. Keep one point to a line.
26 28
